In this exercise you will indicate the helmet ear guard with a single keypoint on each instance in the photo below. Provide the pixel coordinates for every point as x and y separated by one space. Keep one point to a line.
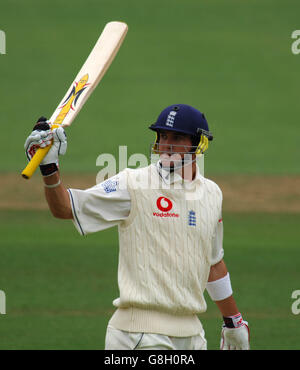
202 146
155 145
205 137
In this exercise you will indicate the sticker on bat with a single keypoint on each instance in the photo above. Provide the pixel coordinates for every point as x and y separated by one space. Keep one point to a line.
71 100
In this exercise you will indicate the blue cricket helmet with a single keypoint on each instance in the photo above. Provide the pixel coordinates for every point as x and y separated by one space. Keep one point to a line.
184 119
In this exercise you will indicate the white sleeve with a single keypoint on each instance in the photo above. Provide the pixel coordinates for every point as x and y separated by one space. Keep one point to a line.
101 206
217 243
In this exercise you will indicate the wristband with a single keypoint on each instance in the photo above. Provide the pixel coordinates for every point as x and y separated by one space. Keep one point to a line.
48 169
219 289
53 185
235 321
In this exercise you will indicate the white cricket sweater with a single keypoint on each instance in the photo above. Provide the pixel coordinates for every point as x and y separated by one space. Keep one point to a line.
165 255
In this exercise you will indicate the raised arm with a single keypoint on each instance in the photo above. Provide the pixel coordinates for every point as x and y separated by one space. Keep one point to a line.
57 197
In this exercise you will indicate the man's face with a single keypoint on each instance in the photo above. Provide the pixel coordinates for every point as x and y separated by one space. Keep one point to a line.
173 147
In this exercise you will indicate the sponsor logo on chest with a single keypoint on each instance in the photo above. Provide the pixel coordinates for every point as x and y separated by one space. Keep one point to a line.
165 206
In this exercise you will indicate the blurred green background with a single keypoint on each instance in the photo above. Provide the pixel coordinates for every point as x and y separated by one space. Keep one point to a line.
233 61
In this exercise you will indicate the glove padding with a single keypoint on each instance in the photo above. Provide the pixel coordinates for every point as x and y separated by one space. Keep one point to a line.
235 338
42 136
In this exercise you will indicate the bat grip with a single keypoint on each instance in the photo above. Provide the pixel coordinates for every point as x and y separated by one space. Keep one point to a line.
35 161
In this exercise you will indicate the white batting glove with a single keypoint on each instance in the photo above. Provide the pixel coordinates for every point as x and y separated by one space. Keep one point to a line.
237 336
42 136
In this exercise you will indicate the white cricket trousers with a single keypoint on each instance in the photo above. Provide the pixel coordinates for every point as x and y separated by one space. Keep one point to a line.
122 340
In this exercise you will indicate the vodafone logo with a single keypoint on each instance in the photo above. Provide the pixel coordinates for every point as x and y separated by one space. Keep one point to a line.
164 205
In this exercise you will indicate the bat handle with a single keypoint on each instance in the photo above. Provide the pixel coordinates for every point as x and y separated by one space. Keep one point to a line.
35 161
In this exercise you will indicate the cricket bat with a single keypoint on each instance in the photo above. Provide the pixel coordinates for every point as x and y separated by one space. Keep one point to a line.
83 85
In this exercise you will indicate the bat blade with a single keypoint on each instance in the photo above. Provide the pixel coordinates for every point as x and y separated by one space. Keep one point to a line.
84 84
91 73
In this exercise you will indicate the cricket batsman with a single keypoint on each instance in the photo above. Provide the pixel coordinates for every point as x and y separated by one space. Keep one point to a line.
170 227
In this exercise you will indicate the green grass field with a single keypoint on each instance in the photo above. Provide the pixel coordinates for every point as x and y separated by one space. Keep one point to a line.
233 61
60 286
